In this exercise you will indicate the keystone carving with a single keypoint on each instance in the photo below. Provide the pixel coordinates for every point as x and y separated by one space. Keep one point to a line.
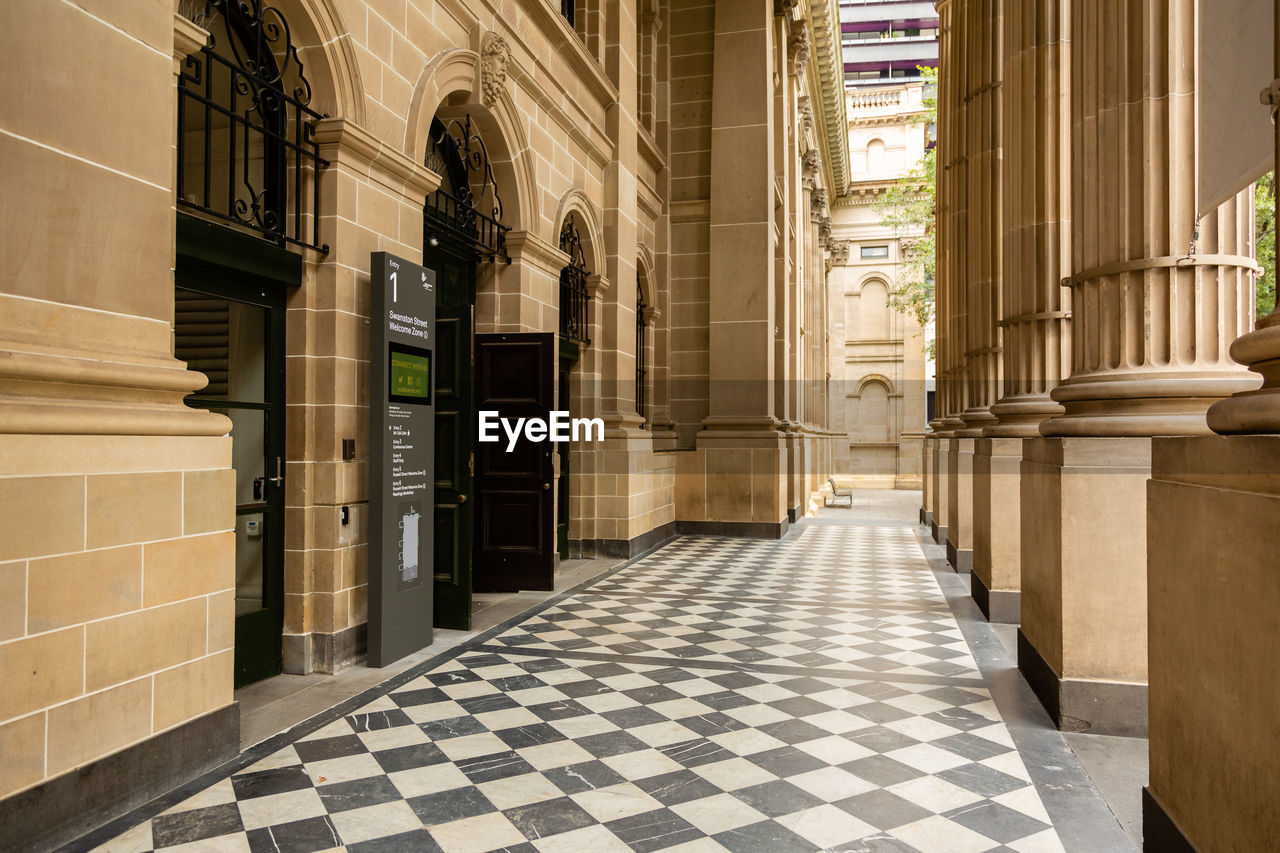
495 54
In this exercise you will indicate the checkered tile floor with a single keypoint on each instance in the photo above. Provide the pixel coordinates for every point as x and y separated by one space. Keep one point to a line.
803 695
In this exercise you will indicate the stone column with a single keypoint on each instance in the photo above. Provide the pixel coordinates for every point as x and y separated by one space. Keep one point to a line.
1152 316
1036 347
947 329
1212 709
978 25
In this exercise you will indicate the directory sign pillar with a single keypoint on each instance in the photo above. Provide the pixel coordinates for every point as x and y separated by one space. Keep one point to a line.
401 457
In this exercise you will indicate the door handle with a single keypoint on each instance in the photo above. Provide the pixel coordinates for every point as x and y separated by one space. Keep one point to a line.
279 477
546 487
462 499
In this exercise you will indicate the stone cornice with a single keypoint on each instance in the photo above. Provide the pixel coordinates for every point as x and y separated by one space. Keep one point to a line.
828 58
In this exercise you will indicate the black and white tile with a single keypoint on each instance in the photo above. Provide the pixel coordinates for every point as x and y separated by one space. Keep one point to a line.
802 695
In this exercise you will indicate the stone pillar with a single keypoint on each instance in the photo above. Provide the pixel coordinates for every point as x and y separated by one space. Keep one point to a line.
1036 346
117 564
743 447
1212 707
1151 321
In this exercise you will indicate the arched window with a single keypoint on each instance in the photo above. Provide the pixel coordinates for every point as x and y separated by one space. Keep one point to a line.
246 147
573 285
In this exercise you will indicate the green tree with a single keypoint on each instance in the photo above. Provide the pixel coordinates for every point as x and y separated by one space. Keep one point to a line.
910 208
1265 210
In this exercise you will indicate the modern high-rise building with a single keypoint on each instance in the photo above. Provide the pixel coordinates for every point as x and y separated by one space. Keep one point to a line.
887 40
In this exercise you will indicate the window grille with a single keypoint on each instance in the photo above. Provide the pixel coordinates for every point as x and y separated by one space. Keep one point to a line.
466 210
574 297
246 141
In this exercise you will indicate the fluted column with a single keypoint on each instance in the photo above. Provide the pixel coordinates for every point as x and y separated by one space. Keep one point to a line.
952 212
1037 215
1035 347
1152 320
948 324
981 256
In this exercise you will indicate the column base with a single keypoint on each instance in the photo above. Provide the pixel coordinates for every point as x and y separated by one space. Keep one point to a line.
1084 705
961 559
939 532
926 517
1160 834
1003 606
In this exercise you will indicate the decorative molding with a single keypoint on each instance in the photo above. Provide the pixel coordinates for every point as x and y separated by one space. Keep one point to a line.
495 55
344 142
527 247
809 164
824 15
798 47
597 286
839 251
818 204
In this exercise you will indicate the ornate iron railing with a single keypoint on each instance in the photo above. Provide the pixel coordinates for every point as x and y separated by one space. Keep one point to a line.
574 297
459 154
246 147
642 360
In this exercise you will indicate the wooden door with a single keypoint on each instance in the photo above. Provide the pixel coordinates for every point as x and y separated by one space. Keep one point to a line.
515 522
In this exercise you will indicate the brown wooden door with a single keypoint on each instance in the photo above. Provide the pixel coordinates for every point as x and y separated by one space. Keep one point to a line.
514 518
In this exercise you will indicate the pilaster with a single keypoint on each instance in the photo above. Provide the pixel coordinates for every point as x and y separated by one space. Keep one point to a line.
744 449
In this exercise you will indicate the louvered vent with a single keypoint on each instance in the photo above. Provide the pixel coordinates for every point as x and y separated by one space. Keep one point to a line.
201 338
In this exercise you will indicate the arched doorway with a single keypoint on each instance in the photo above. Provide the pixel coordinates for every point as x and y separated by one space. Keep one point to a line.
462 228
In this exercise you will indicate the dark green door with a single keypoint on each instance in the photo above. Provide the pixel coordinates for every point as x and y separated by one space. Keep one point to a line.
455 422
233 332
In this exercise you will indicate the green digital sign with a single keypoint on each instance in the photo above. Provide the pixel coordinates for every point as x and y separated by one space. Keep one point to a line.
410 374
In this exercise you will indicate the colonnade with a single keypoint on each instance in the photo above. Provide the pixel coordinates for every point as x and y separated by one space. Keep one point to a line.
1093 334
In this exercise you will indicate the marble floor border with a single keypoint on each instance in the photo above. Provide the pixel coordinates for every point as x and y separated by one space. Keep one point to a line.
1081 817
